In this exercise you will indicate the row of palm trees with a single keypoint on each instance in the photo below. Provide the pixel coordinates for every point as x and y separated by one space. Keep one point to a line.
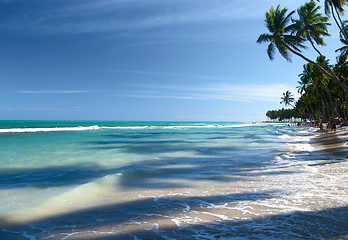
323 87
282 114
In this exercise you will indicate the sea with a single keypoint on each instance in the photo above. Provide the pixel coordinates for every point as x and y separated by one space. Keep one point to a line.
169 180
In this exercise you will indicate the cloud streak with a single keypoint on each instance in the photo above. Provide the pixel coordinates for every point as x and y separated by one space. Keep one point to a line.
121 15
217 91
53 92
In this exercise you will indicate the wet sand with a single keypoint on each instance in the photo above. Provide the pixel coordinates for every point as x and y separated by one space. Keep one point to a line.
334 142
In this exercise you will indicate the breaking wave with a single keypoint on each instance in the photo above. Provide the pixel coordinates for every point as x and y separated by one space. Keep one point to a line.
96 127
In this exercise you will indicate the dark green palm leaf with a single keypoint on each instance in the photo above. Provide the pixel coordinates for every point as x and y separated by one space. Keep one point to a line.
311 24
280 33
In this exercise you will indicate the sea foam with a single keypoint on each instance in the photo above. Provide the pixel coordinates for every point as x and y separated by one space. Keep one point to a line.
96 127
55 129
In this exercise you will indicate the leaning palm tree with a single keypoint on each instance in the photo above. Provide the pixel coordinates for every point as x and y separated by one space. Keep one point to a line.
311 25
336 5
344 49
344 41
341 69
325 82
280 37
335 8
304 84
283 37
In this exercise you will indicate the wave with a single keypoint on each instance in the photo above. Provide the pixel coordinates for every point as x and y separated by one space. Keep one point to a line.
54 129
96 127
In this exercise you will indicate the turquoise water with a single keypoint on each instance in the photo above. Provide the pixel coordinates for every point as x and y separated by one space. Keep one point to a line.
52 169
68 152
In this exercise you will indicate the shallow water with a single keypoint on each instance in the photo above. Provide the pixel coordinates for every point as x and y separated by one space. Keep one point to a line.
168 180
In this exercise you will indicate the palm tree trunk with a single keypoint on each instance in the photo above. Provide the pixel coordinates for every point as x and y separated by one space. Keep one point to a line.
310 105
327 66
333 108
346 96
331 76
337 109
333 10
310 40
295 107
326 111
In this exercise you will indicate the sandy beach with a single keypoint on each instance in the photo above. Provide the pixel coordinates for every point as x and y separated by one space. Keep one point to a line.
334 142
300 193
165 120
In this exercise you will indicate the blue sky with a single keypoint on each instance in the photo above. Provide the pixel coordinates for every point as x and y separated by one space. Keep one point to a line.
137 60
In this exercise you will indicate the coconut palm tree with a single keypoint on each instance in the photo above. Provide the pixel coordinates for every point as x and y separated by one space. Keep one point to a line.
337 5
283 37
335 8
311 25
344 41
325 82
341 69
280 37
304 84
287 99
313 91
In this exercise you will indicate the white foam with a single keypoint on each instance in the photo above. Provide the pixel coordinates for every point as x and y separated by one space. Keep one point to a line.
284 136
56 129
305 147
177 222
235 126
126 127
96 127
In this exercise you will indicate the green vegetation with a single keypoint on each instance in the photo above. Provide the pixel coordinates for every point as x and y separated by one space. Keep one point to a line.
323 86
282 114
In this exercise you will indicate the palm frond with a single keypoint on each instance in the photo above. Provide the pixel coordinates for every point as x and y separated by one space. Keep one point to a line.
264 38
271 51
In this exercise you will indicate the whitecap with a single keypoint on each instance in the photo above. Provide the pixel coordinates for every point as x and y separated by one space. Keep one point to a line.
55 129
285 136
301 147
96 127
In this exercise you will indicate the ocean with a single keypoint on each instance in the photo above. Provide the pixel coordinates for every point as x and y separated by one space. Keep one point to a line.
168 180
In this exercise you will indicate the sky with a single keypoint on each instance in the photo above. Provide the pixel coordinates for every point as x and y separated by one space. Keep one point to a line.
141 60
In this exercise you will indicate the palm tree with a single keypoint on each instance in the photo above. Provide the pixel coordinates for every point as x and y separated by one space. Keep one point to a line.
336 4
335 7
325 82
311 25
341 69
282 36
310 77
344 41
287 98
304 84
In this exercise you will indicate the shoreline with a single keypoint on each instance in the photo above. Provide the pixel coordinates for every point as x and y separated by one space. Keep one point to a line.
335 142
300 183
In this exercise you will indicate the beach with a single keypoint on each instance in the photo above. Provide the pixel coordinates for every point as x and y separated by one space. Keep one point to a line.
172 181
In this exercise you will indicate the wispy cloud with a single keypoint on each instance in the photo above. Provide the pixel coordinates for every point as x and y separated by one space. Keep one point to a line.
53 92
120 15
165 74
217 91
53 109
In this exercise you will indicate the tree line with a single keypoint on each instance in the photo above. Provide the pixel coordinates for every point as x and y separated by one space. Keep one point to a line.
323 86
282 114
